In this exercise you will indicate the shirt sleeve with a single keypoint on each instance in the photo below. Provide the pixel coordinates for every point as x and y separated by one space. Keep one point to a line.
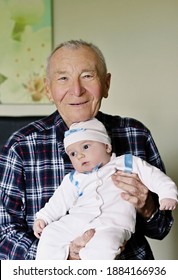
154 179
159 226
60 203
16 237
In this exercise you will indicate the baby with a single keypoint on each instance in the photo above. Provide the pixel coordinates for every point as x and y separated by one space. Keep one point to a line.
87 197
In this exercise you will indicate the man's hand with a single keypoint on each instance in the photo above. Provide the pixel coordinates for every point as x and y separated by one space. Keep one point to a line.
135 192
80 242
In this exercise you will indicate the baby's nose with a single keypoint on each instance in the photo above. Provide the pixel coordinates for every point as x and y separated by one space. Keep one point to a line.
80 155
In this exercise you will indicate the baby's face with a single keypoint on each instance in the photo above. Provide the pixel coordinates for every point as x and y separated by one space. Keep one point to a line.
86 155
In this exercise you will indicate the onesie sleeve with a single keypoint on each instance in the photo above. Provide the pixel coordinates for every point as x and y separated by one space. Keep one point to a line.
60 203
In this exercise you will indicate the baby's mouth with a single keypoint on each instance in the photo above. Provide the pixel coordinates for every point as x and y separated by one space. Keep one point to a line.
85 163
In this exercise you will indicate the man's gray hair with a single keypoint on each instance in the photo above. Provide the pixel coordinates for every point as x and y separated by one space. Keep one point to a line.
76 44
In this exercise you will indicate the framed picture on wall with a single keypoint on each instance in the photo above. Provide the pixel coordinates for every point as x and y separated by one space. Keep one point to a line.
26 41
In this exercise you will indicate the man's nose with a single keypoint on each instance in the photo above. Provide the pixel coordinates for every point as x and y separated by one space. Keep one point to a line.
76 88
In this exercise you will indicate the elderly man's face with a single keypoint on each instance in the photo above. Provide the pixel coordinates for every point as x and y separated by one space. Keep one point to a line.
75 83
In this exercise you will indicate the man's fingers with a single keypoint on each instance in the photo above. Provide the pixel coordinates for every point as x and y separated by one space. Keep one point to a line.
79 243
88 235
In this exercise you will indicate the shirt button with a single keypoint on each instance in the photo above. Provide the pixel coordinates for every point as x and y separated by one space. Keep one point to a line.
97 197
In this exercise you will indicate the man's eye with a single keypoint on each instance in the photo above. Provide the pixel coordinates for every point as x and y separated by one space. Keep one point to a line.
87 76
62 79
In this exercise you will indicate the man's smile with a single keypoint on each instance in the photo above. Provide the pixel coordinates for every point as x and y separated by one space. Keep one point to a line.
78 103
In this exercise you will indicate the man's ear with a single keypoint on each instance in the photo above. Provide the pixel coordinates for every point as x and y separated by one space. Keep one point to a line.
107 85
48 91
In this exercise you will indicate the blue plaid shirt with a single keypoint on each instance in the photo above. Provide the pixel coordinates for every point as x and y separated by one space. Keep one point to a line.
32 165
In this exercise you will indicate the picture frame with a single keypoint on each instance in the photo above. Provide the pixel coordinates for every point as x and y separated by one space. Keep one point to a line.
27 40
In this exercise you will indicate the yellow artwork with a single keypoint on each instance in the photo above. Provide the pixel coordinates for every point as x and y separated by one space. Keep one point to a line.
25 43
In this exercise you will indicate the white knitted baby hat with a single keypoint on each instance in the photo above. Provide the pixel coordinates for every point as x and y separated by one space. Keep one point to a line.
92 130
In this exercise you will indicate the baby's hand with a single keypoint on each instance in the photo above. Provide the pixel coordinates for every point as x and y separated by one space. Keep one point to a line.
38 227
168 204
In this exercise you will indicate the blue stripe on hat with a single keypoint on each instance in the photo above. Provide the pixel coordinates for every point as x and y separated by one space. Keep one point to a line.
71 131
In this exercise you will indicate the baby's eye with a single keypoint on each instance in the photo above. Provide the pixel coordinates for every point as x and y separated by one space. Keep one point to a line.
86 146
73 154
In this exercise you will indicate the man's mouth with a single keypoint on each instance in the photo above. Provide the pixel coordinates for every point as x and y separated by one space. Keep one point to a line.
78 104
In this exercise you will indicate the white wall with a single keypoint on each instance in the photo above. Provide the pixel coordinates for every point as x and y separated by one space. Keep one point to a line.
140 41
